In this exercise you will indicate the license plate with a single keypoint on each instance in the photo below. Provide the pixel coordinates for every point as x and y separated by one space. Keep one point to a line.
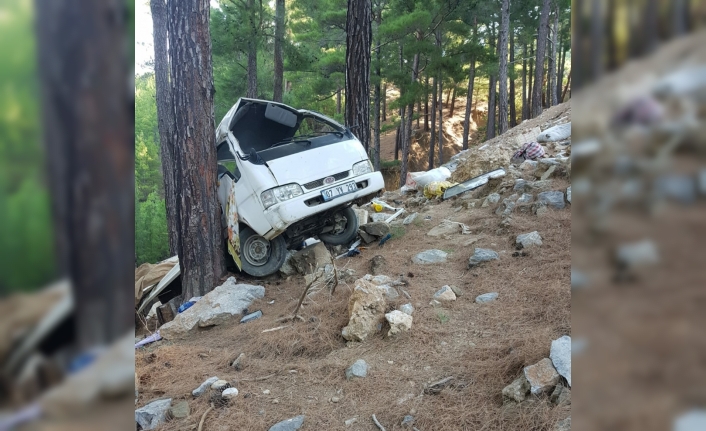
339 190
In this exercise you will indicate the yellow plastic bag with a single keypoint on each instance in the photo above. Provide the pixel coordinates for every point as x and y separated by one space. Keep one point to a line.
436 188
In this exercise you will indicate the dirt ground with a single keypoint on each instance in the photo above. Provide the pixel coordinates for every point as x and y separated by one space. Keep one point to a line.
483 346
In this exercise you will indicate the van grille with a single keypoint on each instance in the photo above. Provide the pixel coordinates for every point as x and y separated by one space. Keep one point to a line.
320 181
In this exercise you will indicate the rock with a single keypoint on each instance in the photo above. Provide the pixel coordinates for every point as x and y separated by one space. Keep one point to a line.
399 322
578 279
526 198
266 392
220 385
203 387
556 133
346 275
548 173
554 199
407 421
634 255
389 292
362 216
539 209
702 181
252 316
376 229
481 255
292 424
410 219
378 280
351 421
492 199
335 399
486 297
561 395
691 421
528 165
457 291
287 269
311 258
179 411
377 264
367 239
379 217
518 389
568 194
366 310
407 309
429 257
445 294
445 229
527 240
153 414
215 308
229 393
524 186
238 362
560 354
542 376
506 207
680 188
565 425
358 369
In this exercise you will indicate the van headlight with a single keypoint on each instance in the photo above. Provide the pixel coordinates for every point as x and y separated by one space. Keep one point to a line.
280 194
363 167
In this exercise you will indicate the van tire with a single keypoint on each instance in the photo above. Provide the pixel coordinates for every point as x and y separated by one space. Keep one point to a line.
348 234
277 253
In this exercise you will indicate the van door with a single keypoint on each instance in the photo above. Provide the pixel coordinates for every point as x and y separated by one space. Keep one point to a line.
228 176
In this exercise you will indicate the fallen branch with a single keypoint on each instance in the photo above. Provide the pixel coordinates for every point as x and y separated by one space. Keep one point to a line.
296 310
382 428
204 417
258 379
276 329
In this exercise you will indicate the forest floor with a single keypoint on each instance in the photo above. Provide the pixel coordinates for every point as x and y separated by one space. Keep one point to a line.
299 370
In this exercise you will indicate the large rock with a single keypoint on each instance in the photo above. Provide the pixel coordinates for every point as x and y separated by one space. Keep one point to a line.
291 424
518 389
153 414
481 255
527 240
554 199
542 376
358 369
445 294
366 310
203 387
399 322
377 264
287 269
179 411
311 258
215 308
560 354
445 229
430 256
486 297
556 133
376 229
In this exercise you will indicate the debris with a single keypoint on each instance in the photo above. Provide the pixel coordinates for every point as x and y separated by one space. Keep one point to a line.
481 255
353 247
556 133
560 354
310 259
438 386
379 217
473 183
407 421
542 376
445 294
377 264
399 322
204 386
394 216
203 417
351 421
179 411
377 423
358 369
527 240
153 414
188 304
276 329
252 316
407 309
229 393
410 218
436 189
554 199
384 204
165 314
147 340
518 389
430 256
384 240
376 229
362 215
417 180
486 297
366 310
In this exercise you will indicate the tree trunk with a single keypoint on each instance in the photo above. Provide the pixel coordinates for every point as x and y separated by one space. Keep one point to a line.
490 125
525 107
539 63
560 73
165 117
252 52
597 39
566 88
440 138
679 18
279 41
612 47
553 100
577 36
502 53
469 95
88 119
376 114
384 102
432 136
408 127
358 43
513 103
651 26
419 111
338 101
453 103
530 77
198 213
400 134
426 104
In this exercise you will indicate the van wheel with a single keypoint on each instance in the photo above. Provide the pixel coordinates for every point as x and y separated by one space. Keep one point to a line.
345 230
261 257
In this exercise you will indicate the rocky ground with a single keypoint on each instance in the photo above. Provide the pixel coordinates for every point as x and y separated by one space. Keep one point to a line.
459 325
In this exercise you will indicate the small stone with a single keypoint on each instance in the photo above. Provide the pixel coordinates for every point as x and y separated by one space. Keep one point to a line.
526 198
266 392
275 401
542 376
560 354
358 369
179 411
407 421
579 280
691 421
434 303
389 292
528 165
445 294
492 198
153 414
642 253
238 362
377 264
377 229
568 194
367 239
481 255
229 393
457 291
561 396
430 257
289 425
351 421
399 322
220 385
554 199
527 240
410 219
487 297
335 399
204 386
565 425
506 207
540 209
362 216
390 362
518 389
445 229
548 173
407 309
379 217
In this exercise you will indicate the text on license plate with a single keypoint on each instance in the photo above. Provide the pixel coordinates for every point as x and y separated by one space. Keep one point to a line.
339 190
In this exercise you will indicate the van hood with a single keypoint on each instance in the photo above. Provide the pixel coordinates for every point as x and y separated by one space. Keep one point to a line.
317 163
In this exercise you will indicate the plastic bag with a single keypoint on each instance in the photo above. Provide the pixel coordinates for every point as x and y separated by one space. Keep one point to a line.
421 179
436 189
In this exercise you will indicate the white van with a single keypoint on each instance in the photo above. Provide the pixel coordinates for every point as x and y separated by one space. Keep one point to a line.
286 175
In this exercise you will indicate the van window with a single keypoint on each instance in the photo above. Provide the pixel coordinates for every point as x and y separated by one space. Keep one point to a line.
313 125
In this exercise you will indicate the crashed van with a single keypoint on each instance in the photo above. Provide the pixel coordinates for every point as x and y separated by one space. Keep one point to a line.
286 175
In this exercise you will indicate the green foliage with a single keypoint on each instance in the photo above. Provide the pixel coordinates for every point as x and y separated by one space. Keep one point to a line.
443 317
151 240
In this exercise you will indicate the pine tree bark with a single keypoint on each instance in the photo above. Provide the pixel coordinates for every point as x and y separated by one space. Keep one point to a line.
525 106
453 103
530 78
88 123
358 44
560 73
338 101
426 103
469 95
198 213
432 136
492 84
553 96
679 17
513 96
440 139
252 52
376 102
165 116
407 142
502 53
279 41
539 63
384 102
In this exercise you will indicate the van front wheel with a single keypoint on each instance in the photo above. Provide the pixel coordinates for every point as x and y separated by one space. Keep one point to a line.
261 257
344 230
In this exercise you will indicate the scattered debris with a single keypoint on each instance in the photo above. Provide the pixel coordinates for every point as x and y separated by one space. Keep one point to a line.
358 369
399 322
556 133
481 255
436 387
542 376
486 297
560 354
430 257
384 240
153 414
149 339
204 386
473 183
351 421
445 294
276 329
394 216
252 316
377 423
